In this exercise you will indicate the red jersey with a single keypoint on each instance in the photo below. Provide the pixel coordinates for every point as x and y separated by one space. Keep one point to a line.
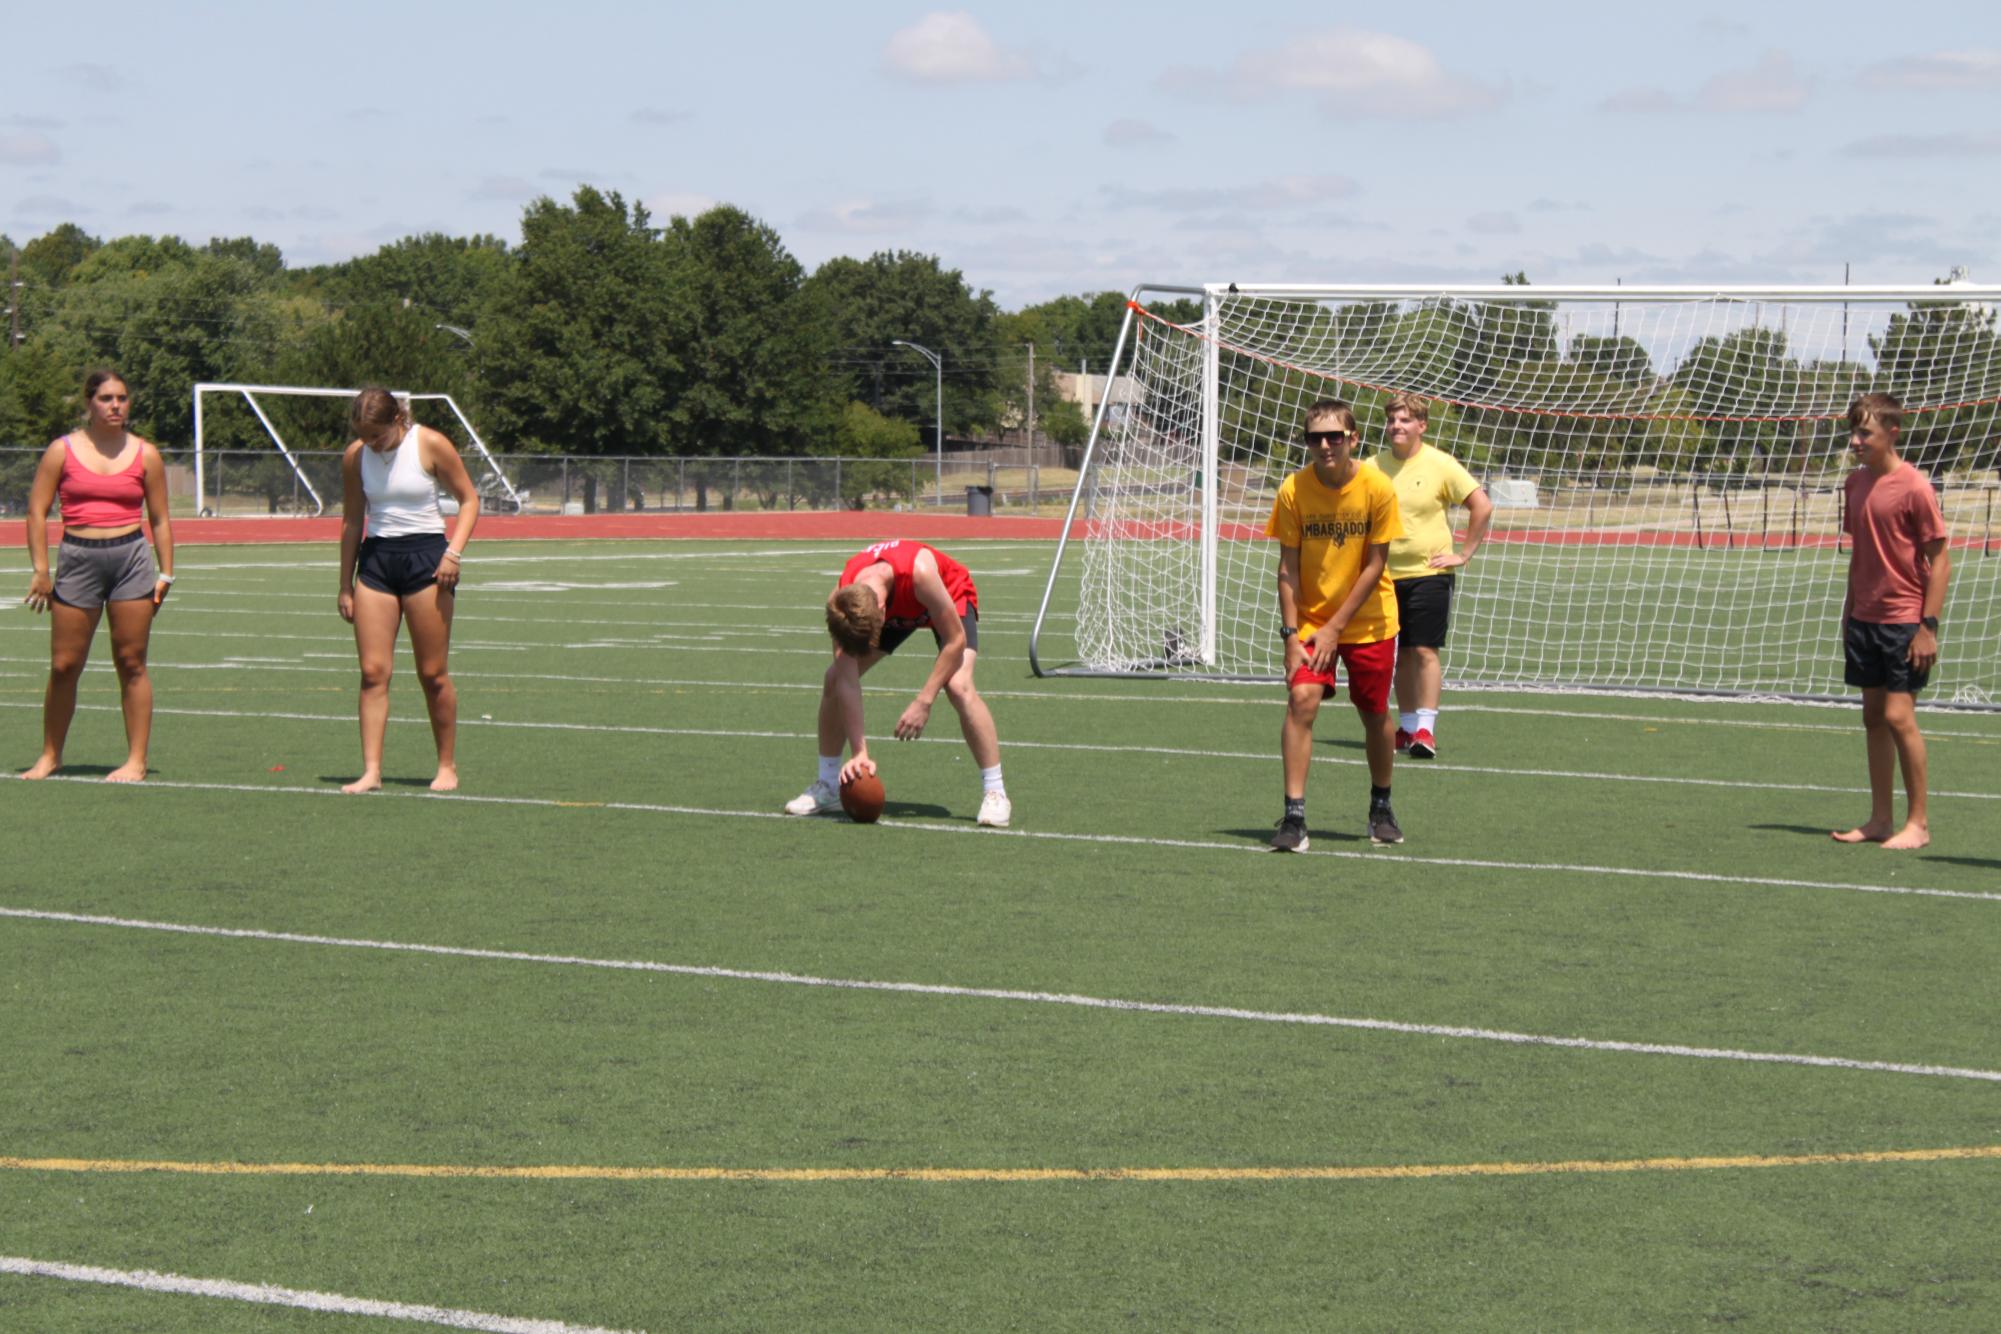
96 500
1890 519
904 611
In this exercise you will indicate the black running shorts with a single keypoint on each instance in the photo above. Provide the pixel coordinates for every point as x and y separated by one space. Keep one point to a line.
1879 656
1424 610
893 634
400 566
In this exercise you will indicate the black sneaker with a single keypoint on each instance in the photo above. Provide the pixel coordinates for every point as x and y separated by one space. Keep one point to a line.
1291 836
1383 826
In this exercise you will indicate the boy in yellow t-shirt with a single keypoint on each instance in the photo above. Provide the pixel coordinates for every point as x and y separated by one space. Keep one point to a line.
1334 522
1429 482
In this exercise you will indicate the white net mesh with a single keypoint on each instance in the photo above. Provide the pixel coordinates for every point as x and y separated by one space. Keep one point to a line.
1666 471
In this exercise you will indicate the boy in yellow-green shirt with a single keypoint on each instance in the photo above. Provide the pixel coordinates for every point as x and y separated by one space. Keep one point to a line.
1428 483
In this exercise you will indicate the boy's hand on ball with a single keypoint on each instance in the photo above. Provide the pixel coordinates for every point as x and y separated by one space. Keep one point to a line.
860 764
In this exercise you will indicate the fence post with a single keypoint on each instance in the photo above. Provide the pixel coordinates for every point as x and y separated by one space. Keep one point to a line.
566 482
791 496
839 499
625 483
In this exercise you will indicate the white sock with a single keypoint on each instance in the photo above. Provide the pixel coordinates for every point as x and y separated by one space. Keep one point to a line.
830 769
1408 722
1427 721
990 780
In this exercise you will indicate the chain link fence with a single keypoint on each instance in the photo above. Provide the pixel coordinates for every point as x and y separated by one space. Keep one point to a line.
261 482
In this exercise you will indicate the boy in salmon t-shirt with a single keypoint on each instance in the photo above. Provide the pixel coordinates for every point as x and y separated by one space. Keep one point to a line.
1889 620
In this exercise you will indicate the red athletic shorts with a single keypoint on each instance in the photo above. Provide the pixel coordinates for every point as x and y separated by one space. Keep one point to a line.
1370 667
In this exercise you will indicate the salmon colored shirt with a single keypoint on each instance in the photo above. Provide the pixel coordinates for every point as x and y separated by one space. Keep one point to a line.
1890 519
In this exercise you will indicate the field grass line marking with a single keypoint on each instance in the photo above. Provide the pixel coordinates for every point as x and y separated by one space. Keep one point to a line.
1255 849
1007 994
264 1294
1184 752
1005 1175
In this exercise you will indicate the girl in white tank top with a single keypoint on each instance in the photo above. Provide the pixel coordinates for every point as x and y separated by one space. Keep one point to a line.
402 497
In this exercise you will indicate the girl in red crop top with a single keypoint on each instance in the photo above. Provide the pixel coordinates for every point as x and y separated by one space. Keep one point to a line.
109 482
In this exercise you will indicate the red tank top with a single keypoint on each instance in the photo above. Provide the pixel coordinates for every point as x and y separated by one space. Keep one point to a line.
93 500
903 609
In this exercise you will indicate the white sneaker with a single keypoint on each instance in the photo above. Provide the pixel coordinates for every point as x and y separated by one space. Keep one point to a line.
818 799
996 810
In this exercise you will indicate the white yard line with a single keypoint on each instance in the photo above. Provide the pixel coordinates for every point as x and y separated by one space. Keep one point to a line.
1239 846
1188 752
263 1294
1031 997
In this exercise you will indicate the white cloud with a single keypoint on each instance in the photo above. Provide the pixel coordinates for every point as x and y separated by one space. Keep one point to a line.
679 204
1278 193
1128 133
28 150
861 217
1639 100
49 206
1353 72
1939 69
1952 144
952 47
1495 224
511 189
100 78
1770 85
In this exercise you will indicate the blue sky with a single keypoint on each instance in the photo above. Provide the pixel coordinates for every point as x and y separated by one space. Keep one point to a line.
1046 148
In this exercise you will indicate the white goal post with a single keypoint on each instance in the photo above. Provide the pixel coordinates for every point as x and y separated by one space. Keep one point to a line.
1666 465
250 393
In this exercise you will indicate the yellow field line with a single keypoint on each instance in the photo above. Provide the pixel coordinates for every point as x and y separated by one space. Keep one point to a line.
1387 1172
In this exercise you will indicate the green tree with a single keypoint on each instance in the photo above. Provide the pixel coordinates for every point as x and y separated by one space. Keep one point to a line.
872 303
1943 360
446 278
577 350
753 379
864 433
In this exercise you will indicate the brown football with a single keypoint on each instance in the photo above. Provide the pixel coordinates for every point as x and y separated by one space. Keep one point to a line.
862 797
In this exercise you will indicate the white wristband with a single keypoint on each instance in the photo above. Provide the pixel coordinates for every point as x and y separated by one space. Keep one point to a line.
167 579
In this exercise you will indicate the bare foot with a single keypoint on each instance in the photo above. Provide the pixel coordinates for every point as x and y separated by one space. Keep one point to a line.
43 767
1910 836
132 771
1867 833
370 781
447 779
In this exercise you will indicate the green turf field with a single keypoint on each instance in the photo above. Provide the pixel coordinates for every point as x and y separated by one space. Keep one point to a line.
1114 1067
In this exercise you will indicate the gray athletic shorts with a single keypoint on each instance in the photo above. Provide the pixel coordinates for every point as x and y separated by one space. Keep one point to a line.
91 571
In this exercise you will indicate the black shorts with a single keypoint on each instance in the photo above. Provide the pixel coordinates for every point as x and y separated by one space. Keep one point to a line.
400 566
1879 656
895 632
1424 610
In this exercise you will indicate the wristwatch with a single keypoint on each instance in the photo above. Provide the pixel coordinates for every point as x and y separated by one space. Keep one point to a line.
1929 622
1287 631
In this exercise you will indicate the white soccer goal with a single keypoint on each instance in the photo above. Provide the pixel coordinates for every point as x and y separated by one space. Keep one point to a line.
1666 466
496 480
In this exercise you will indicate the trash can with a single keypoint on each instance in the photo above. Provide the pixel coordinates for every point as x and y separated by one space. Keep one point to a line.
979 500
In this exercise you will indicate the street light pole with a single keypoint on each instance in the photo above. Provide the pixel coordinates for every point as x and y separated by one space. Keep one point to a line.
937 365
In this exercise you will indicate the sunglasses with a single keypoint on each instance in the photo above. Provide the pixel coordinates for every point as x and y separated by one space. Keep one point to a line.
1329 437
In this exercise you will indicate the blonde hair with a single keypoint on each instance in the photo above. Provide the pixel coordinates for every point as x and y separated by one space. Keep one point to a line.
1415 405
854 619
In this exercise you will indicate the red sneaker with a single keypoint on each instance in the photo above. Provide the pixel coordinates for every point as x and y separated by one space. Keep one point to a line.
1403 742
1423 745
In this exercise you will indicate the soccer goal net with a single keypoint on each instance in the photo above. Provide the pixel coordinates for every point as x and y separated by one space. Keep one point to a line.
1666 467
315 487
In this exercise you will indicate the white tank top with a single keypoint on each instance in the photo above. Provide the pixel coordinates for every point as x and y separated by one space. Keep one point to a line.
402 497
